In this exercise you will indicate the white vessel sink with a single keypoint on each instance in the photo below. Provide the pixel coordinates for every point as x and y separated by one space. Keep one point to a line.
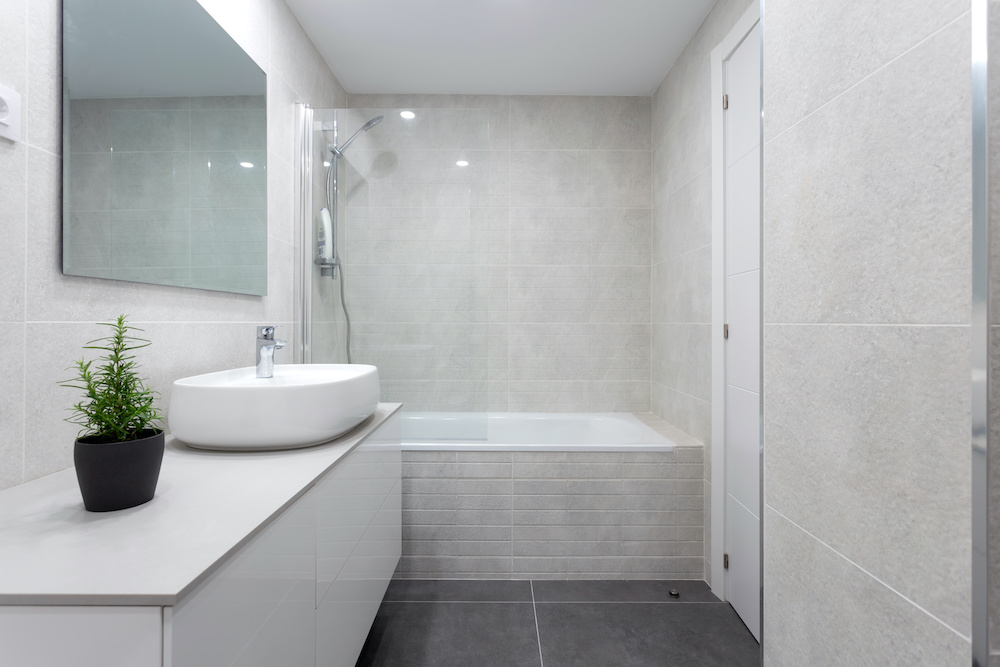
302 405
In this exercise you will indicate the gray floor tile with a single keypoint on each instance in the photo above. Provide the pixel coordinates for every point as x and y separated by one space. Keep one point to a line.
448 590
452 634
622 591
643 635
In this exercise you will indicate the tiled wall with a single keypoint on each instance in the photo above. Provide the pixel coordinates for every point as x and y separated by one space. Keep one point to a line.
417 252
559 228
867 220
157 192
47 316
552 515
682 238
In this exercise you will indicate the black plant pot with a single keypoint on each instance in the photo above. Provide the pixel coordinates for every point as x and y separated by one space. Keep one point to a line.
118 475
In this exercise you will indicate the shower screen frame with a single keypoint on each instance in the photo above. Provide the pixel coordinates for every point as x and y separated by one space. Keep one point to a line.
302 352
981 319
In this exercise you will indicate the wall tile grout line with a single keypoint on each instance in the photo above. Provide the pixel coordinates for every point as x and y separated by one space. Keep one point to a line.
874 72
863 570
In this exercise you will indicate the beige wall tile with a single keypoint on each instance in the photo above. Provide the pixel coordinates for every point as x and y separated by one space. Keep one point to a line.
684 361
543 122
682 288
683 220
42 99
12 408
836 46
870 242
685 151
14 167
280 118
823 610
867 448
13 42
691 415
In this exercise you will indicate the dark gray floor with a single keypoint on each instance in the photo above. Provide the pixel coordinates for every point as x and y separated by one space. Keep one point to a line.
556 624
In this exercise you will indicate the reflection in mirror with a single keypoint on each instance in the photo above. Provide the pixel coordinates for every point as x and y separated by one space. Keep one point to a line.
164 143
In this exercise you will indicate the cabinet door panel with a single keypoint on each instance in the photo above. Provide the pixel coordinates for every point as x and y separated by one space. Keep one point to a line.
80 636
258 609
349 599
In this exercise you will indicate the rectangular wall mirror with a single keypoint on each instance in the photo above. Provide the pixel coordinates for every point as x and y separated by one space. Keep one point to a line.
164 147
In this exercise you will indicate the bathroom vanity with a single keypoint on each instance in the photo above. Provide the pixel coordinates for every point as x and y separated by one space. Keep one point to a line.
250 559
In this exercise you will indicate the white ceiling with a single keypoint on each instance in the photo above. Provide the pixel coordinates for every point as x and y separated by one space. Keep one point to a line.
508 47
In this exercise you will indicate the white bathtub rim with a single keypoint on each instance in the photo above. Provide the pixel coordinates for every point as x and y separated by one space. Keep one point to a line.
652 441
488 447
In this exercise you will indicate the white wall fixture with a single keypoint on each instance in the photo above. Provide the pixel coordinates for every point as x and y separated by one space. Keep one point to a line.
10 113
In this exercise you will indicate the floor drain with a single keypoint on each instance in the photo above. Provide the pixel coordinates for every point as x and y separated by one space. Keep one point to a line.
674 593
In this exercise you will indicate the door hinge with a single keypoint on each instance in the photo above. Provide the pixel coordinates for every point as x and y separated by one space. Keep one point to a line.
725 101
725 331
725 561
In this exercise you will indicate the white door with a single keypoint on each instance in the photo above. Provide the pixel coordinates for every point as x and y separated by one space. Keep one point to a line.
742 347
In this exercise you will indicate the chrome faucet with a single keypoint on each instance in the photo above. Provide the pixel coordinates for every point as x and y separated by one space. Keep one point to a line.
266 345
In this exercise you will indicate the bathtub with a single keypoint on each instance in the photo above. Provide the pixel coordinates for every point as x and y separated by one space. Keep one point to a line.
530 432
548 496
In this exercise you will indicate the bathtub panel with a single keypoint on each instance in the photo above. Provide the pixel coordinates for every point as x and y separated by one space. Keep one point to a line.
553 514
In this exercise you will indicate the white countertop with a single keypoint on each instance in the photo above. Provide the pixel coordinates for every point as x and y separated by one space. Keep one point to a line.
207 505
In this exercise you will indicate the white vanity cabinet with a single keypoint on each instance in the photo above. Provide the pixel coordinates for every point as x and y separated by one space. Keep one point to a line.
358 511
306 589
302 591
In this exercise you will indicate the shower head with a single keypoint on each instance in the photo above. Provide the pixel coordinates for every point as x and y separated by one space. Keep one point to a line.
339 150
372 123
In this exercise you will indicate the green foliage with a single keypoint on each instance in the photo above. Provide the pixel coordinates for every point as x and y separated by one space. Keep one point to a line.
117 405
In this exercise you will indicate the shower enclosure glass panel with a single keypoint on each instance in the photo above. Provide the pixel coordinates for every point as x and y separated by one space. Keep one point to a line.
412 235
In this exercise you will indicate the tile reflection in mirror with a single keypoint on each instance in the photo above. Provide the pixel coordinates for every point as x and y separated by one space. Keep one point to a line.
165 148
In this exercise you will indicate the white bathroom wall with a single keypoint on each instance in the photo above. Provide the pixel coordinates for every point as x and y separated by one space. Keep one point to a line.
564 206
682 237
47 316
867 292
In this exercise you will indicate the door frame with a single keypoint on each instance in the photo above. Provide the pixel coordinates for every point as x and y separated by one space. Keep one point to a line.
721 54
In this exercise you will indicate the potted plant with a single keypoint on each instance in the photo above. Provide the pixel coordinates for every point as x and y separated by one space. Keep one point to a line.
120 446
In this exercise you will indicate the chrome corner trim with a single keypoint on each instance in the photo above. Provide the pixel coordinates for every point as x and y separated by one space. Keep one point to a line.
303 231
763 268
980 335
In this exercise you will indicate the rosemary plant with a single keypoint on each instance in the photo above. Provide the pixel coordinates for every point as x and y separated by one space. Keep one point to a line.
117 405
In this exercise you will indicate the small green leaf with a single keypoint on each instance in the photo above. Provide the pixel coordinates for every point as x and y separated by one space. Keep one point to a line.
119 405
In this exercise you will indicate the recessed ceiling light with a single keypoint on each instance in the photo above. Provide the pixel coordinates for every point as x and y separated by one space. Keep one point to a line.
408 115
462 163
248 165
